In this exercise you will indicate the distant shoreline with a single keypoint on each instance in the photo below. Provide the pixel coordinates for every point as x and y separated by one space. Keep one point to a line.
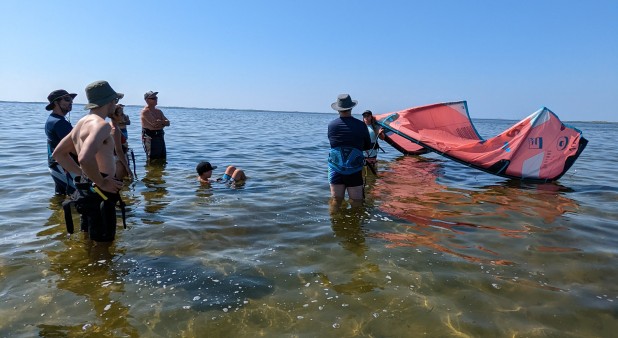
287 111
196 108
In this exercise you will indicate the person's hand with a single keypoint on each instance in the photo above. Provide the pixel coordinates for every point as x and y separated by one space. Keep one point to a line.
111 184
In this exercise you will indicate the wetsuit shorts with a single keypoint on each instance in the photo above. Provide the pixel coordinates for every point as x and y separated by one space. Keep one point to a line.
154 144
352 180
98 216
101 223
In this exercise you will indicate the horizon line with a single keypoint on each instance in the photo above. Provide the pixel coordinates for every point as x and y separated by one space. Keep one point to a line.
288 111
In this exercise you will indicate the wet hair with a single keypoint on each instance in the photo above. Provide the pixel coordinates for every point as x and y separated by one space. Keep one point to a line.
118 108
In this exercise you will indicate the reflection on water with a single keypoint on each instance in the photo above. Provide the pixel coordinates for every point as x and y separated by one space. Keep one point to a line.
86 269
441 216
156 192
347 226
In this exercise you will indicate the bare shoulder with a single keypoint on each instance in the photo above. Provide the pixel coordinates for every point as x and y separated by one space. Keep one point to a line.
94 125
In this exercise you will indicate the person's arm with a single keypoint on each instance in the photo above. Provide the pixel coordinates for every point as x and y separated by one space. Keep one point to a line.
62 155
378 129
165 122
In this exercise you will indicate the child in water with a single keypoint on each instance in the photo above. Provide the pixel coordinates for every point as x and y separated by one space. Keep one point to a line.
231 175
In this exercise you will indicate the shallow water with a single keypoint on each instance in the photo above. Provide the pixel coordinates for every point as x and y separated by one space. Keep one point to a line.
438 249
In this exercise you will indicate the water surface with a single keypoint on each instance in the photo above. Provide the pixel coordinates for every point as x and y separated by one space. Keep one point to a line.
438 249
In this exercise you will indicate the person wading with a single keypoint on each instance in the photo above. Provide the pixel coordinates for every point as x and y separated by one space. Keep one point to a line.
56 128
348 139
92 141
153 122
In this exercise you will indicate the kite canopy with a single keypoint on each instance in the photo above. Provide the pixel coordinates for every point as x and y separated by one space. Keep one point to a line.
538 148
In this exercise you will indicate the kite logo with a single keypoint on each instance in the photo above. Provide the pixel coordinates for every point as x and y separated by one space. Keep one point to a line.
535 143
562 142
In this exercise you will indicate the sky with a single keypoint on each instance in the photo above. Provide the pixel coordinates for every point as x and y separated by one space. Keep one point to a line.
507 59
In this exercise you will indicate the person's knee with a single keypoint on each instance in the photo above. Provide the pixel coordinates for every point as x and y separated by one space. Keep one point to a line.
355 193
337 191
239 175
230 170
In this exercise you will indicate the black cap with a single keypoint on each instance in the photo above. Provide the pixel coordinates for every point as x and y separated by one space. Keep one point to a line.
203 167
55 95
150 94
367 112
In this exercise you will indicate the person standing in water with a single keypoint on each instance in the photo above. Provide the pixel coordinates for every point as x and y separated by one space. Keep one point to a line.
92 141
153 122
123 122
348 138
120 143
375 132
56 128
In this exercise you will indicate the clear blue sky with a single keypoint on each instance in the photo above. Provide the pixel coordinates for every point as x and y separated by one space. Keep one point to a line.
506 58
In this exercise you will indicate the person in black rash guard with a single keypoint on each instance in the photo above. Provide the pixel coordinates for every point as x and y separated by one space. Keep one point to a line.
56 128
348 139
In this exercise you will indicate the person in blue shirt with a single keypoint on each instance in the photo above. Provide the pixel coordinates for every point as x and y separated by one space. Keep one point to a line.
56 128
348 139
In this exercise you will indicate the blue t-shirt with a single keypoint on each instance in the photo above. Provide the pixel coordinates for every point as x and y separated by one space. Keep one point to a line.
348 132
56 128
348 138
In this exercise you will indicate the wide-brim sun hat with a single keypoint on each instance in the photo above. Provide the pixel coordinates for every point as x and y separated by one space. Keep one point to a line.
100 93
55 95
344 102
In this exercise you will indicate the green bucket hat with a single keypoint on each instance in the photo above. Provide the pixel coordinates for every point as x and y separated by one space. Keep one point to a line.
344 102
100 93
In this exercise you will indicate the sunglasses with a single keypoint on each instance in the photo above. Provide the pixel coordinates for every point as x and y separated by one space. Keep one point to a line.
67 98
153 98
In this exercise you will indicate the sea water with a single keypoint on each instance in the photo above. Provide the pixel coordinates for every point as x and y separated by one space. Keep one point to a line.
438 248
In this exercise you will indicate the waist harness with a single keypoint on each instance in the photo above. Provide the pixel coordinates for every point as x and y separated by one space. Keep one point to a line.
346 160
98 210
153 133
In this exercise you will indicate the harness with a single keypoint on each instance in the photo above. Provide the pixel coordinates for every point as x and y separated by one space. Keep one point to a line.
346 160
90 201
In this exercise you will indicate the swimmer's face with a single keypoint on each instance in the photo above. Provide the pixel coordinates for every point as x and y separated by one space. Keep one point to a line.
206 175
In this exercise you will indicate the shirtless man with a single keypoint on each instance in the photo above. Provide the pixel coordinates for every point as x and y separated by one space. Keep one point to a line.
153 122
91 140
